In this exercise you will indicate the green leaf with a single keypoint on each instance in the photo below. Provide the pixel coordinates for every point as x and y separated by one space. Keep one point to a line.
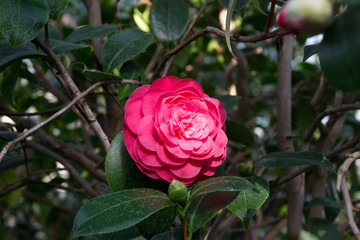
168 19
122 172
10 54
157 223
132 71
250 200
238 132
92 74
90 32
56 7
176 233
210 196
256 5
8 83
324 230
126 234
293 159
310 50
339 52
22 20
60 46
229 102
118 211
231 7
123 46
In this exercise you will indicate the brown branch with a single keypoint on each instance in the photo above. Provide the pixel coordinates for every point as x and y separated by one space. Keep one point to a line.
220 33
33 113
24 135
341 185
69 81
270 16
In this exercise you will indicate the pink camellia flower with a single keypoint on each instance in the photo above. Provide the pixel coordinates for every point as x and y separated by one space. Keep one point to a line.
173 130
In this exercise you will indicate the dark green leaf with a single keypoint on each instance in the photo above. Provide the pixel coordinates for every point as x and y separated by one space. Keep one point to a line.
126 234
238 132
339 51
90 32
92 74
324 230
15 161
325 202
210 196
293 159
229 102
122 172
22 20
175 234
61 46
250 200
157 223
310 50
230 11
123 46
118 211
55 7
168 19
9 54
8 83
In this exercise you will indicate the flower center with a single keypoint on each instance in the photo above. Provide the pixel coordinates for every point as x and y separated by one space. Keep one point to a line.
186 123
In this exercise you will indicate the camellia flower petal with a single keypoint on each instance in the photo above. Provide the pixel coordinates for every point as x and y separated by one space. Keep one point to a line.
174 131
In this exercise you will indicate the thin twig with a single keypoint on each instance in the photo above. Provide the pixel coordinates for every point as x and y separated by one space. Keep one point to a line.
270 16
58 113
220 33
52 110
69 81
341 185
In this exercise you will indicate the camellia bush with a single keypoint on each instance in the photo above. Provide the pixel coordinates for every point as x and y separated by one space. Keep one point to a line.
179 119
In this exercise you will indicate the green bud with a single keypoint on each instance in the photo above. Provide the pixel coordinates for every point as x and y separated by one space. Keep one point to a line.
177 191
244 170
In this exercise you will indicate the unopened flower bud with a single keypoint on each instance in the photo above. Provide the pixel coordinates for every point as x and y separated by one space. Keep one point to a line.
177 191
244 170
305 17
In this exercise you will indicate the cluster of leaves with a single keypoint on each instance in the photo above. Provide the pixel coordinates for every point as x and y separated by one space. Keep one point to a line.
140 206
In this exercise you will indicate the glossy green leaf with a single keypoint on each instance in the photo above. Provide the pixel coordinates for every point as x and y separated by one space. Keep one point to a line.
310 50
339 52
126 234
250 200
22 20
123 46
168 19
228 101
324 230
92 74
122 172
10 54
294 159
256 5
90 32
157 223
231 8
118 211
60 46
55 7
8 83
210 196
238 132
